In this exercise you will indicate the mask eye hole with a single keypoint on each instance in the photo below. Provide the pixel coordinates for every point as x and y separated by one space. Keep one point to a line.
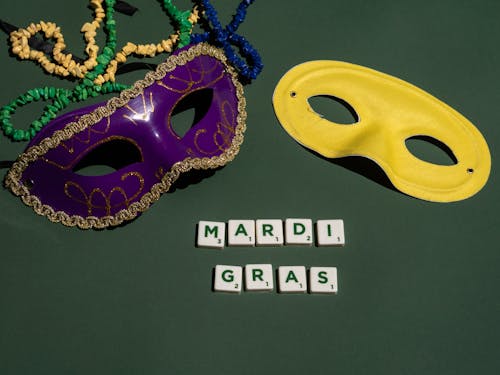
430 150
190 110
108 157
334 109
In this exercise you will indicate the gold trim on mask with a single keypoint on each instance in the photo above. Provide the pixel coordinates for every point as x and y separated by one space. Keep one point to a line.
13 178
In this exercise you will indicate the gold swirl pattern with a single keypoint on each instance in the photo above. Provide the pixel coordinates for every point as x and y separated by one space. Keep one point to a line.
91 147
147 110
160 172
191 82
84 137
92 202
222 136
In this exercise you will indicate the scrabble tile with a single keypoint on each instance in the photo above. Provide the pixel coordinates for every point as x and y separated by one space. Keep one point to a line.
269 232
211 234
298 232
241 233
292 279
323 280
330 232
259 277
228 279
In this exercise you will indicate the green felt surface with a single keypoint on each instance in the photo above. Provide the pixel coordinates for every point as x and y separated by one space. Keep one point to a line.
418 281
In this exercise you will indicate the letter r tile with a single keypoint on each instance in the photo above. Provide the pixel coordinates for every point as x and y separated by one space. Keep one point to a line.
269 232
259 277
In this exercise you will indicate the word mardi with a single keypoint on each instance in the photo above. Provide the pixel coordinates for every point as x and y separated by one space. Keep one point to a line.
270 232
291 279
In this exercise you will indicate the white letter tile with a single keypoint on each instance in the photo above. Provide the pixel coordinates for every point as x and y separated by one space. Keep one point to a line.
211 234
292 279
259 277
323 280
298 232
228 279
269 232
330 232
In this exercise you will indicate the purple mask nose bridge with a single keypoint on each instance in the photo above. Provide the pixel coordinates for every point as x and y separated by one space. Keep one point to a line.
44 175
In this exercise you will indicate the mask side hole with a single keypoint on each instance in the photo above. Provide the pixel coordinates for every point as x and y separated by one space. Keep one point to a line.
108 158
190 110
431 150
334 109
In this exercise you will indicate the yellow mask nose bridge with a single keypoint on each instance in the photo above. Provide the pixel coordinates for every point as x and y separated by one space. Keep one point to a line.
390 111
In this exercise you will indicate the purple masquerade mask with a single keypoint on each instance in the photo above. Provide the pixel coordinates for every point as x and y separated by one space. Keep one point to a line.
45 176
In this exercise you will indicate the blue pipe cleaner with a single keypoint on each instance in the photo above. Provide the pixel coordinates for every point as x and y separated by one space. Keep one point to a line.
250 65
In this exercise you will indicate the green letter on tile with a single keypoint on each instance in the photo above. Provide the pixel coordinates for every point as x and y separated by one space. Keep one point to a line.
228 276
291 276
257 274
322 277
298 228
267 229
241 230
214 231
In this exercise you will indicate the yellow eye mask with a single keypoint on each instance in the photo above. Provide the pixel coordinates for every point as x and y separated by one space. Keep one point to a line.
389 111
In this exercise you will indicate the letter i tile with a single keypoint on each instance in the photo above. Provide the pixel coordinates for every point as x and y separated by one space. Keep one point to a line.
228 279
330 232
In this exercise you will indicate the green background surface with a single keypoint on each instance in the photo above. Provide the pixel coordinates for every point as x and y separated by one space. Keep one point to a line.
418 281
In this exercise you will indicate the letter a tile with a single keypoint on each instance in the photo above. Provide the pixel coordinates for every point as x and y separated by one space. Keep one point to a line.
292 279
241 232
